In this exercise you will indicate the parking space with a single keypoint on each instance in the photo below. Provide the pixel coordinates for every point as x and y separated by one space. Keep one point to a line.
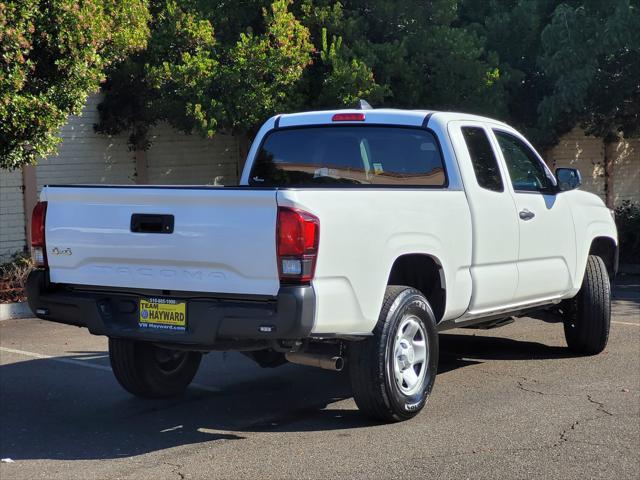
508 403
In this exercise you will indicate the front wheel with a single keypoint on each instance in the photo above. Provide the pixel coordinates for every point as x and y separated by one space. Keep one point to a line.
393 371
588 316
148 371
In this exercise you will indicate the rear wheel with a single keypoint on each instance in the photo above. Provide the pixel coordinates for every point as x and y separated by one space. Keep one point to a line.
588 315
393 371
148 371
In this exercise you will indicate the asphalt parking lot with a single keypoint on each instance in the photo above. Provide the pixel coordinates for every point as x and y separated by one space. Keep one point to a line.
510 402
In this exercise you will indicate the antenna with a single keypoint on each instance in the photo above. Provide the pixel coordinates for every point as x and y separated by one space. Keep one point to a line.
364 105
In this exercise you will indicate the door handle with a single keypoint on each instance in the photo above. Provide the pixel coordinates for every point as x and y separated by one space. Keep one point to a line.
151 223
526 214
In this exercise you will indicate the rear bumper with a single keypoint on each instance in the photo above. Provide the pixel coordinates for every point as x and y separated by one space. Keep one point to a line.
210 320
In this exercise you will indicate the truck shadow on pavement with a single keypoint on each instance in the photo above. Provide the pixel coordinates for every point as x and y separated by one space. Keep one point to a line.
476 349
55 410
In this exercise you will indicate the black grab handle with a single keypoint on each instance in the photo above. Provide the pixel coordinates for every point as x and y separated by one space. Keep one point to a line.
151 223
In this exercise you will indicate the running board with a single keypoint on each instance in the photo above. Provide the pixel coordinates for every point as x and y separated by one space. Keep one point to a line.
492 324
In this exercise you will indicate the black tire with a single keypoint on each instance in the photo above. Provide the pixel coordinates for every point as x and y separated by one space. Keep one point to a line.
148 371
372 361
588 316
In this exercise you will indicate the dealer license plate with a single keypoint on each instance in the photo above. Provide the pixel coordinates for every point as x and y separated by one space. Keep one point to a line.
163 314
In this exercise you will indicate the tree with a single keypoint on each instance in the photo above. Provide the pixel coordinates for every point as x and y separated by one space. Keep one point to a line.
53 54
513 30
418 53
199 82
591 54
227 66
337 78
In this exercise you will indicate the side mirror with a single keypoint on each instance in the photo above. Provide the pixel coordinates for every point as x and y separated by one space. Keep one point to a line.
568 178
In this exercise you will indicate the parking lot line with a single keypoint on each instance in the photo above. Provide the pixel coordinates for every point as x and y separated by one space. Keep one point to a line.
71 361
626 323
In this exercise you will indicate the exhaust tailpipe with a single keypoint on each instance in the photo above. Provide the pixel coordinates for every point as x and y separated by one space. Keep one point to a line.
326 362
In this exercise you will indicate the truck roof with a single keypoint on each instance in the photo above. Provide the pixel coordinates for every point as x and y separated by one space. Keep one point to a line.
389 116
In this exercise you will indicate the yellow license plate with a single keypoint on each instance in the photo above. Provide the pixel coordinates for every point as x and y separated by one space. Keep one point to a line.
163 314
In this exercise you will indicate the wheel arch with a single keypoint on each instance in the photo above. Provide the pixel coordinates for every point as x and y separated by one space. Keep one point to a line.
604 246
425 273
607 249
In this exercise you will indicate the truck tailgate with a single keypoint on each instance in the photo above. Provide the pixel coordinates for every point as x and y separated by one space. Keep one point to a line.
223 239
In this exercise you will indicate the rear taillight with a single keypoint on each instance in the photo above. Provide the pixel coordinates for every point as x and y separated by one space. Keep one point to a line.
38 248
297 236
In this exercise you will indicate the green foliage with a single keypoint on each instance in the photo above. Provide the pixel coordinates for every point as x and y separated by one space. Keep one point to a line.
200 83
53 54
210 66
564 63
152 84
591 54
306 55
260 72
343 79
513 30
628 222
418 54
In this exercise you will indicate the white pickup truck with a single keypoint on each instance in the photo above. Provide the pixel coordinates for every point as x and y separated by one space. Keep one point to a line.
353 238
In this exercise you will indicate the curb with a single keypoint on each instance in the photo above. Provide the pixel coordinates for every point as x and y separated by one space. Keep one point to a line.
11 311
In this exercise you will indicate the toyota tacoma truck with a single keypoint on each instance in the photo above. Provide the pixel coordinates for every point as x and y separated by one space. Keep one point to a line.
353 238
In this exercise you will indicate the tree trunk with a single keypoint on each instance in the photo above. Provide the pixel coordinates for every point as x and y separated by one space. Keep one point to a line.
139 139
610 141
30 196
141 167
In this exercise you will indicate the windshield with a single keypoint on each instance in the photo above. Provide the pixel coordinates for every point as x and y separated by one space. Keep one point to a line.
348 155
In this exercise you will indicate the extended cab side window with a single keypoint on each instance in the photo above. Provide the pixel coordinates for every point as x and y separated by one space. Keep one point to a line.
526 172
483 159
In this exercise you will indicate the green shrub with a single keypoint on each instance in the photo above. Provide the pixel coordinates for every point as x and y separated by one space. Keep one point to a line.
628 222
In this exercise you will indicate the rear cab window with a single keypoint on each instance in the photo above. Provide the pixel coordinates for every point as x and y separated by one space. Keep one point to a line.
353 155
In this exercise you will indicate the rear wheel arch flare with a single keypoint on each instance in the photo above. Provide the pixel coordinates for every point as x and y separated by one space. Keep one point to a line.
424 273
